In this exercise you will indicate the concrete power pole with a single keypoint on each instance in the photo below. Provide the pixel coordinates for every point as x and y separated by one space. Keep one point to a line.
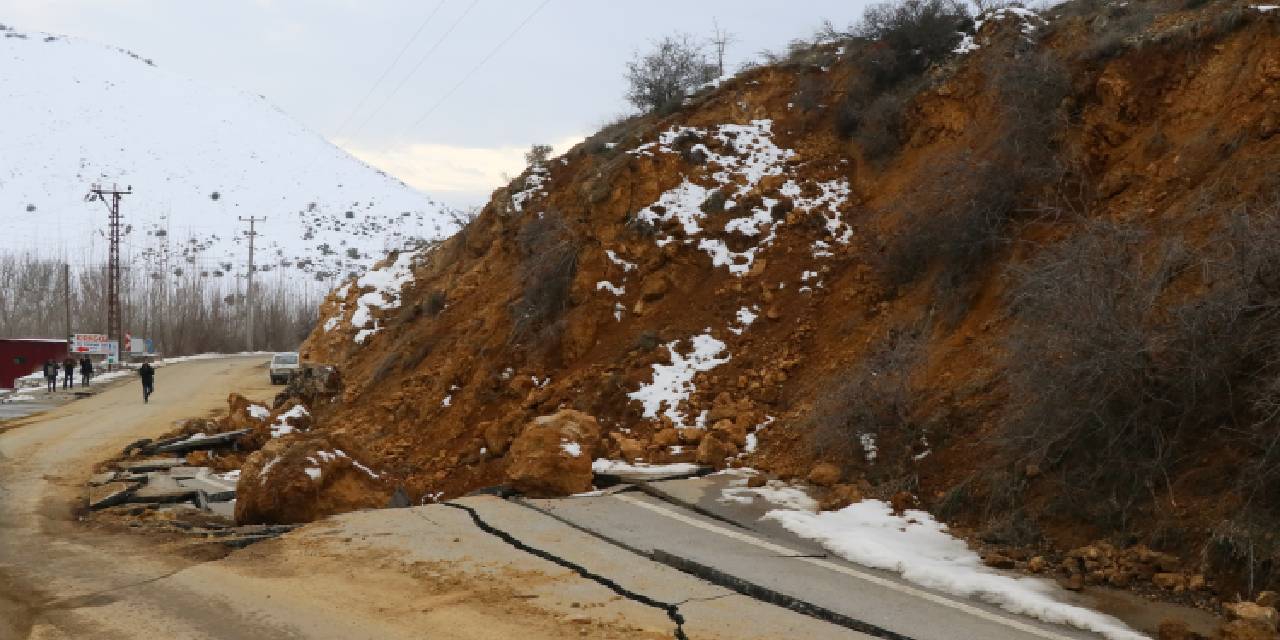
721 40
249 297
66 296
111 198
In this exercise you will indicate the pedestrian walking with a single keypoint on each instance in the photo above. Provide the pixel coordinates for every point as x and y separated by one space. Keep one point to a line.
148 376
51 374
68 373
86 370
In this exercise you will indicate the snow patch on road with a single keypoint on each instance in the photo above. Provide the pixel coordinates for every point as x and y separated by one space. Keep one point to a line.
920 549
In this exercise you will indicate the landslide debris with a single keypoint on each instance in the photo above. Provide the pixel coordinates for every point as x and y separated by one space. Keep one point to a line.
1029 287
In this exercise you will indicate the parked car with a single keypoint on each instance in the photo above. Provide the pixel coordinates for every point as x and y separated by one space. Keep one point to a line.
283 367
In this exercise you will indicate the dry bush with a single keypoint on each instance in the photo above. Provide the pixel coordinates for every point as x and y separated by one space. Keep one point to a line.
915 35
1119 376
880 129
871 398
958 218
890 49
659 80
811 92
1117 28
548 263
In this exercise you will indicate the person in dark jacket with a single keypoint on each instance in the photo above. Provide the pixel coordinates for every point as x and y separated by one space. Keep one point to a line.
86 370
68 373
148 376
51 374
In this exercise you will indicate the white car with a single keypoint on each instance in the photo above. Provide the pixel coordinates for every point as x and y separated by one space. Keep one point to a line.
283 367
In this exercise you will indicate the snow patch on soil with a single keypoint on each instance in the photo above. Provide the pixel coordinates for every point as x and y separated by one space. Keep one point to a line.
747 155
281 426
673 383
385 285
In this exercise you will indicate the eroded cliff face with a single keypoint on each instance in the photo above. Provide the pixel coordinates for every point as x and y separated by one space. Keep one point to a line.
700 283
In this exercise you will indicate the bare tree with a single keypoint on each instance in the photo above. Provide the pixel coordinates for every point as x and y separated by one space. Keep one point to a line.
660 79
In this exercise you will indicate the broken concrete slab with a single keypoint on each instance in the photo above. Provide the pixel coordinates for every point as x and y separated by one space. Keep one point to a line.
179 473
99 479
162 489
111 494
195 443
152 464
214 488
226 509
244 541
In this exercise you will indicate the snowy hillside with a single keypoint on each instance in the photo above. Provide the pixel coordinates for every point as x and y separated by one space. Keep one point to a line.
75 113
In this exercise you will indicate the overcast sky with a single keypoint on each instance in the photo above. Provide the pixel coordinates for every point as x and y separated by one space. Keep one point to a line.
446 130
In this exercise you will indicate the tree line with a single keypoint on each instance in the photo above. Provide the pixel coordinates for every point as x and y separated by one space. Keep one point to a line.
183 311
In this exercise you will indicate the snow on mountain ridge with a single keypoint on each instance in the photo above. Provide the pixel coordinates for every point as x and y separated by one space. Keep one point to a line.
197 157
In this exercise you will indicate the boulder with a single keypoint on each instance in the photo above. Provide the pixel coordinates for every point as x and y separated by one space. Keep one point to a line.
715 449
629 449
825 474
303 477
998 561
692 435
903 500
240 414
1170 581
731 431
1176 630
1246 630
654 287
756 481
840 496
552 455
668 437
1268 599
497 437
1252 612
1037 564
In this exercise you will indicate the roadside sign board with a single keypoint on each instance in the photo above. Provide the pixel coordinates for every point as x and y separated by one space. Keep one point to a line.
93 343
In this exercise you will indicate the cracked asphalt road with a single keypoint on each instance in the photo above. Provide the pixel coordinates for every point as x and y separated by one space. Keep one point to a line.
405 573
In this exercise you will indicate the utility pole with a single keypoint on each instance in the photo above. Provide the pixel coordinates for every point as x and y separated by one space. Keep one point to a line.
66 296
252 233
115 330
721 40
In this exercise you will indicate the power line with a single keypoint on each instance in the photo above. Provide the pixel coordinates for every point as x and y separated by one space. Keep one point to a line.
387 72
413 71
476 68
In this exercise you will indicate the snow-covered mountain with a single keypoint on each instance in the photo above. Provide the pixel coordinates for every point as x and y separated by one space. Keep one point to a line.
74 113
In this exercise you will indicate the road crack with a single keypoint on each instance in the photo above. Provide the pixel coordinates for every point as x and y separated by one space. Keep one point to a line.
671 609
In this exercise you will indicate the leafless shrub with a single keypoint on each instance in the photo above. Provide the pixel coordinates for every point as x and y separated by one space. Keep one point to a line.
548 263
894 43
872 397
811 92
879 130
1117 28
915 35
659 80
962 215
1117 380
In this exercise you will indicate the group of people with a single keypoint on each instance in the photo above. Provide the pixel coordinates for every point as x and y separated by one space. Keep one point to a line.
68 368
146 372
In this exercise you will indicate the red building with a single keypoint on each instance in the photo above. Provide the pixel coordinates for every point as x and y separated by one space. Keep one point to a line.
21 356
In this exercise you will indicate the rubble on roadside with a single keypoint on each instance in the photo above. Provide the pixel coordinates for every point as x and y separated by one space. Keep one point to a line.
164 492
